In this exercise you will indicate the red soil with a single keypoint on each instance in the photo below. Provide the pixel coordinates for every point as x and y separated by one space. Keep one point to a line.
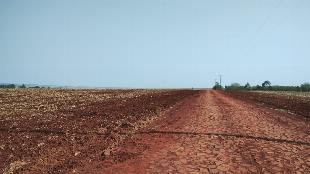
59 141
204 132
298 105
214 133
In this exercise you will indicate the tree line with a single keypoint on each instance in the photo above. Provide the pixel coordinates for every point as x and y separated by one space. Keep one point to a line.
7 86
16 86
265 86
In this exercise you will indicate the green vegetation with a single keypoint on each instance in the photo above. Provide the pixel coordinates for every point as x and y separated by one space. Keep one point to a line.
266 86
247 86
217 86
235 86
23 86
305 87
35 87
7 86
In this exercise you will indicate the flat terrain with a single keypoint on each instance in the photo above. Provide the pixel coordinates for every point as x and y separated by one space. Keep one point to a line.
294 102
151 131
54 131
288 93
215 133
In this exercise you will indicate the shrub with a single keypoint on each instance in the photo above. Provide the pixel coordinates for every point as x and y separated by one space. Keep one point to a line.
217 86
305 87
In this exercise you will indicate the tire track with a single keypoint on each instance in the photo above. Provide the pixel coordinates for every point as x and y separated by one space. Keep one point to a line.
214 133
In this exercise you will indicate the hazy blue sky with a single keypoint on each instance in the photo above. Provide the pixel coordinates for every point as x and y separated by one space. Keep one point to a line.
154 43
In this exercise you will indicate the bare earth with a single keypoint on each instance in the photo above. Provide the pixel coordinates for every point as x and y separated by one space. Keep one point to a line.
58 130
214 133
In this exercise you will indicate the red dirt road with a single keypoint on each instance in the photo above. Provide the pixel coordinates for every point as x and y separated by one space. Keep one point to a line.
215 133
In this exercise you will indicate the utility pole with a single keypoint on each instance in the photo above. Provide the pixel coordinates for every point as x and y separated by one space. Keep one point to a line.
221 79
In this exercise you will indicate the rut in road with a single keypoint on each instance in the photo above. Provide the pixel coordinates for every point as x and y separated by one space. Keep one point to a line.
214 133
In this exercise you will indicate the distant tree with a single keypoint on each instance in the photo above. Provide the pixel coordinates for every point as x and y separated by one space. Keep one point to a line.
217 86
305 87
258 87
247 86
35 87
23 86
266 83
235 85
9 86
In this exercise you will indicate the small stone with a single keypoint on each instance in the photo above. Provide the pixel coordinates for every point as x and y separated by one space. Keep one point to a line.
102 130
212 166
2 146
15 166
223 167
213 171
76 153
126 125
106 153
40 144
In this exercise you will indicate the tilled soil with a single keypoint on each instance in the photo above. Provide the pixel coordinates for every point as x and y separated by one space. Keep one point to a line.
289 103
214 133
56 131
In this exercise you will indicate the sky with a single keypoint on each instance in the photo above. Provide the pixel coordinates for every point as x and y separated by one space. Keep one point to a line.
154 43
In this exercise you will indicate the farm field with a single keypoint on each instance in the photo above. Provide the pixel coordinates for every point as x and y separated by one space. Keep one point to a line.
154 87
288 101
216 132
287 93
152 131
54 130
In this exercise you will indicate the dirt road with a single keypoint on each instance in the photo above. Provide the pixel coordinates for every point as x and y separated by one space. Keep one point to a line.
215 133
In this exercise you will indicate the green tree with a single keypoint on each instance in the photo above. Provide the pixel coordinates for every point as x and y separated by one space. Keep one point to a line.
217 86
247 86
305 87
266 83
235 85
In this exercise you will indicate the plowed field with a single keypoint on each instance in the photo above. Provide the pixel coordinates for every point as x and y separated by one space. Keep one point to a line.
153 131
55 131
